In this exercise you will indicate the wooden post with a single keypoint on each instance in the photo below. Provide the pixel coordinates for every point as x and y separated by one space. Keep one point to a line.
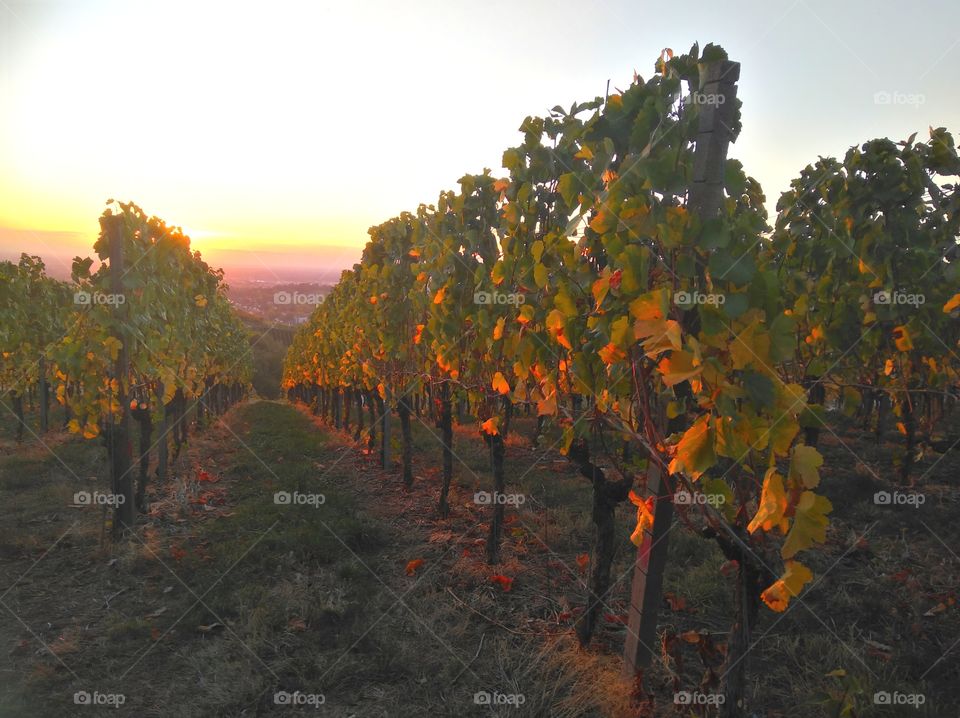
718 94
120 444
385 432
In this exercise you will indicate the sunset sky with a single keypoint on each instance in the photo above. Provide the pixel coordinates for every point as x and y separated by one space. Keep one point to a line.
277 132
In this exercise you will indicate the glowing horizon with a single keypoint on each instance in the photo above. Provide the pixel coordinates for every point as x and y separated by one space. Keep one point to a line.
258 126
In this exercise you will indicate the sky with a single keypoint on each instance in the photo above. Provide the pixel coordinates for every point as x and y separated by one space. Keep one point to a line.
275 133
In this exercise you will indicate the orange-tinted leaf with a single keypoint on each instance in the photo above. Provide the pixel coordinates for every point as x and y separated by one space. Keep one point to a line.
777 597
644 516
491 426
901 337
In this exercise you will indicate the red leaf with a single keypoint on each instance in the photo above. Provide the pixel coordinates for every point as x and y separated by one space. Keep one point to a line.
412 566
505 582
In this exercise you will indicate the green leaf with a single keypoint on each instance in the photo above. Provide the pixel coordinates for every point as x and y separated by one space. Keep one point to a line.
726 267
760 389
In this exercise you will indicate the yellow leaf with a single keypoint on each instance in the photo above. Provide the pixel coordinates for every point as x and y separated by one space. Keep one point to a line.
888 367
773 504
901 338
668 339
644 517
540 275
501 185
604 222
648 307
382 390
441 293
952 304
526 314
498 329
777 596
91 430
600 289
585 153
620 332
548 405
751 346
678 367
611 353
804 464
782 433
200 300
500 384
809 523
556 323
74 426
730 438
695 453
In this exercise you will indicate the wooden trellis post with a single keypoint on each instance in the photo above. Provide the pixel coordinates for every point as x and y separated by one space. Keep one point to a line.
717 95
